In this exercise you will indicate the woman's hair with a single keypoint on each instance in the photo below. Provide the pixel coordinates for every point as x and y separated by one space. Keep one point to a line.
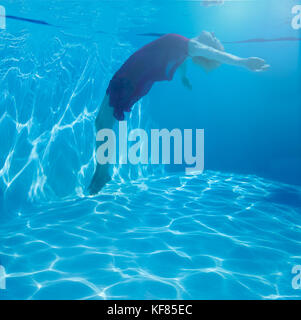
209 39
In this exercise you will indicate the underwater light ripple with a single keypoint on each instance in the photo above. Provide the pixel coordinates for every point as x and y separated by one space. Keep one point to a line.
160 255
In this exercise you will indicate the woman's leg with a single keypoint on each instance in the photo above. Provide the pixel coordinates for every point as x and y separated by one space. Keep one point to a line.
105 120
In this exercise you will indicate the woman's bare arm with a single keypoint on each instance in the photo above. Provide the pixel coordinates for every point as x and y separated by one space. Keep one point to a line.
198 49
184 78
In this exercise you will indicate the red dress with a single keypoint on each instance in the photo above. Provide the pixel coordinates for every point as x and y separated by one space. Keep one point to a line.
157 61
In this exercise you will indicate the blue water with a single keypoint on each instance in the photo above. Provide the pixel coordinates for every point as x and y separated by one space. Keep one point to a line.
152 233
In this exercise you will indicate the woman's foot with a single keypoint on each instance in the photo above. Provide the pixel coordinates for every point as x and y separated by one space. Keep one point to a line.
100 179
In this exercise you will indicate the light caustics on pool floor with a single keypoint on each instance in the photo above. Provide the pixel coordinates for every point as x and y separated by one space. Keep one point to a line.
213 236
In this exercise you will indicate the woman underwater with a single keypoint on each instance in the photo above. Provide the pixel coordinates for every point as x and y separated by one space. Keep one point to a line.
158 61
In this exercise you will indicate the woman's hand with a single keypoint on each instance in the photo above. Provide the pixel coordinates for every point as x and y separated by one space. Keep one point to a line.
256 64
186 83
